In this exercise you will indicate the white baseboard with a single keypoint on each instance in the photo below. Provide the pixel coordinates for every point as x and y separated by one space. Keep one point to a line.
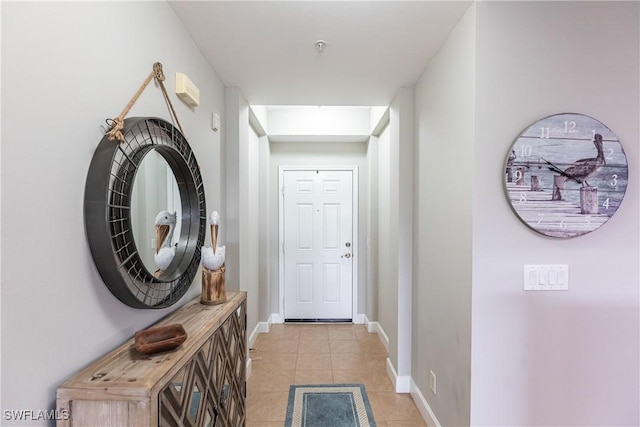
261 328
375 327
276 318
358 319
402 383
424 408
391 372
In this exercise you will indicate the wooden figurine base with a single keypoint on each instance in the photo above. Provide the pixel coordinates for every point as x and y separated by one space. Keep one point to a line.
213 288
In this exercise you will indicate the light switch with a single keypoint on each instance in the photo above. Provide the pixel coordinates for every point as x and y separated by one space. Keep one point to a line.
553 277
543 276
533 278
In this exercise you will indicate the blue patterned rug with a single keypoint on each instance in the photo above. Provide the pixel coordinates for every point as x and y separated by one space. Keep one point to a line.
329 405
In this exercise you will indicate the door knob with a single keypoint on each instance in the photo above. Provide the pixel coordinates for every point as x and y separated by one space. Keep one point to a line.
346 256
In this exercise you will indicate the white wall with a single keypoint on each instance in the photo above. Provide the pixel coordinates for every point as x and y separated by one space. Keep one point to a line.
301 121
250 252
554 358
401 128
264 158
387 261
66 67
242 213
372 296
442 279
394 238
316 154
235 172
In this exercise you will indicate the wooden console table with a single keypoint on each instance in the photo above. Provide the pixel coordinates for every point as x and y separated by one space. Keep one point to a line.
202 383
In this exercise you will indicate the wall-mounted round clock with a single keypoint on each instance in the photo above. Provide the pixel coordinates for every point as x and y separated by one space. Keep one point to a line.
566 175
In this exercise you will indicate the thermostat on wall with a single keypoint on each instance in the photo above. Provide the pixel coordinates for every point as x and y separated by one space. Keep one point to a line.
186 90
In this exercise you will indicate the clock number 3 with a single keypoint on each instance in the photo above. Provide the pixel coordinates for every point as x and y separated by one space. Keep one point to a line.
614 181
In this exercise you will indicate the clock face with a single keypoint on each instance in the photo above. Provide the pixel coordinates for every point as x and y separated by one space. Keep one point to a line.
566 175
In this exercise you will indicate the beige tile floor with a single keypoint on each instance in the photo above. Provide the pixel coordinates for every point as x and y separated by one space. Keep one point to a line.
322 354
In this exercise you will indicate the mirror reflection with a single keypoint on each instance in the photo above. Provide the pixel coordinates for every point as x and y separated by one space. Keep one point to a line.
156 213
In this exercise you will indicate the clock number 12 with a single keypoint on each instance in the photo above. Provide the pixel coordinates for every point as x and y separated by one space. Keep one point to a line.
570 127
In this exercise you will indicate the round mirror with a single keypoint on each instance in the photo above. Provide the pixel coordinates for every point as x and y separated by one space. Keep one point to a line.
117 226
156 212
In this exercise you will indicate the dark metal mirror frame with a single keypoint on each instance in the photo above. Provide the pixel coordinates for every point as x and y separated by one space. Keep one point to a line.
107 213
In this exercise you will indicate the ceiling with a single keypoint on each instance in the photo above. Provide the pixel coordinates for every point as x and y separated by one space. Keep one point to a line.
267 48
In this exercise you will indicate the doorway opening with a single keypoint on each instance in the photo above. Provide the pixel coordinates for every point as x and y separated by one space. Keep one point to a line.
318 235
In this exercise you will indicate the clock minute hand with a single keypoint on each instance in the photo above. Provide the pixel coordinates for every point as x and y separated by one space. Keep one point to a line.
555 168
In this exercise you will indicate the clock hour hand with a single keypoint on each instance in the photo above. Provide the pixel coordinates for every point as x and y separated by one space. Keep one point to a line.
555 168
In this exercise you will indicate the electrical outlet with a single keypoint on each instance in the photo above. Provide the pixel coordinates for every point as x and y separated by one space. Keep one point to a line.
433 382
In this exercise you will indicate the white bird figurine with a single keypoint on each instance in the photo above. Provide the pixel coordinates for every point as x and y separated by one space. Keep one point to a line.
213 260
165 250
214 218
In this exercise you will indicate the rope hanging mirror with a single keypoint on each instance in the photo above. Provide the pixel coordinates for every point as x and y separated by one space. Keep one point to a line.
112 226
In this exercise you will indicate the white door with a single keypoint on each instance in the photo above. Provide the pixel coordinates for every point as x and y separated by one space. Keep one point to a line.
318 246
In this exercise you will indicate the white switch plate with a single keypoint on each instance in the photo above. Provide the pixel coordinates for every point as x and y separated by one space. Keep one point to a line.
433 382
548 277
215 122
